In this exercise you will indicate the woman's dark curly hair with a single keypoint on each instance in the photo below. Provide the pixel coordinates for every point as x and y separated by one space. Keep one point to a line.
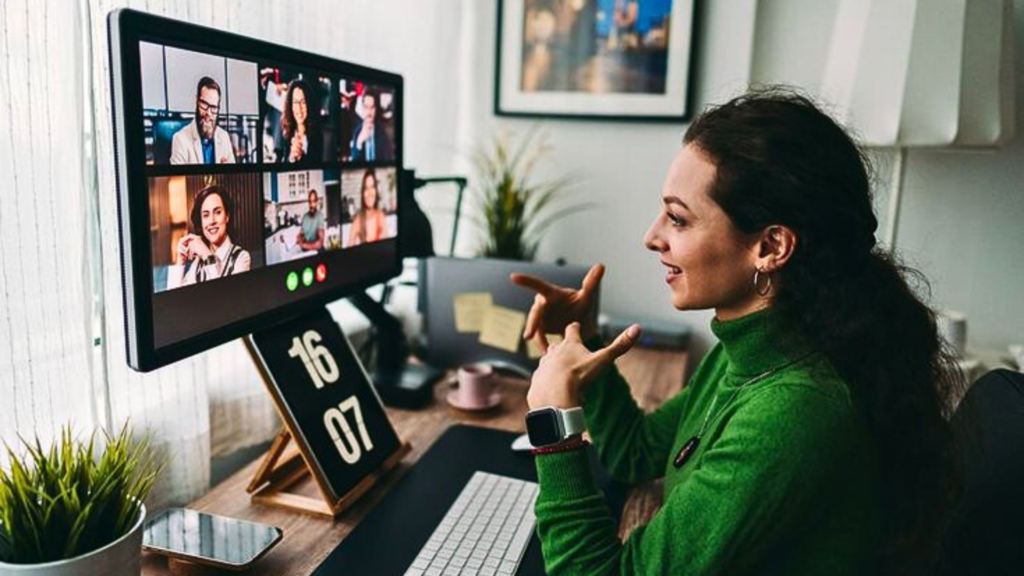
288 123
781 161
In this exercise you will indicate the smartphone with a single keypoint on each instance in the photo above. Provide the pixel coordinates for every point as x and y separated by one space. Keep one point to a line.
210 540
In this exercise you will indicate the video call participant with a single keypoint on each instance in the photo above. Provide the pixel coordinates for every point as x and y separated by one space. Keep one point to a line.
311 236
202 141
369 140
369 224
300 127
209 254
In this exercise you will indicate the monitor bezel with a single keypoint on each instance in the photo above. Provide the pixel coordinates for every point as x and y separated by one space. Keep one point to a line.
126 28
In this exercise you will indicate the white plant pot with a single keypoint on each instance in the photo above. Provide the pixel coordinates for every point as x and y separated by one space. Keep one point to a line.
122 557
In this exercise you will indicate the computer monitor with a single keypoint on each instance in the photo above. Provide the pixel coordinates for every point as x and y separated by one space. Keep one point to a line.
255 182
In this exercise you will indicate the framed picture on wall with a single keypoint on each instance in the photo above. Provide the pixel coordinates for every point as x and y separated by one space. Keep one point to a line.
594 59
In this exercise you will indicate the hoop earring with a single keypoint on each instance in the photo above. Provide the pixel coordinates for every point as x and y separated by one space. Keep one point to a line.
762 292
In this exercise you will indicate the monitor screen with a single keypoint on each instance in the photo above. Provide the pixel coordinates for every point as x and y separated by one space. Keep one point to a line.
255 182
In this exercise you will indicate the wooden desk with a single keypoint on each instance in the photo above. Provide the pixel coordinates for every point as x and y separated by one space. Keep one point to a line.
653 375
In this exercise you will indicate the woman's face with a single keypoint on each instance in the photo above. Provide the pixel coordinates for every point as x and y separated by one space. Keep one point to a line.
215 219
299 106
710 263
369 192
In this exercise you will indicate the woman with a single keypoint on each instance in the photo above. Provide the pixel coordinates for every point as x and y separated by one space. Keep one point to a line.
812 438
369 224
207 251
300 127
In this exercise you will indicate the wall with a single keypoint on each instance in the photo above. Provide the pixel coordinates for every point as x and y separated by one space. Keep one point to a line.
621 165
963 213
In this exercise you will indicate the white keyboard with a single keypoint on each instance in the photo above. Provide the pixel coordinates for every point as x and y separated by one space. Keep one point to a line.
485 532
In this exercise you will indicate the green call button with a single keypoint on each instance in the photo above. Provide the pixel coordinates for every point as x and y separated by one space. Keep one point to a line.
307 276
292 281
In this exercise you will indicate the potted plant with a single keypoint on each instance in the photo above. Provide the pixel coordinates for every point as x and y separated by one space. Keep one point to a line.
513 209
65 511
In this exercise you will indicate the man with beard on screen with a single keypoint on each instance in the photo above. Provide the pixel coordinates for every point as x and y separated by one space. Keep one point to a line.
369 140
202 141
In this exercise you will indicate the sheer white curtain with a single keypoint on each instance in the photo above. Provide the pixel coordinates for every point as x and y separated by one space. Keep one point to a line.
62 335
45 333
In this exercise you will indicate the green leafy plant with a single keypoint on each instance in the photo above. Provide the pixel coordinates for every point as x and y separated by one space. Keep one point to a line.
64 502
514 210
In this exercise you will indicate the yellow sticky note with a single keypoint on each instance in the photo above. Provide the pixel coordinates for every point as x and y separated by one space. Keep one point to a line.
503 328
470 308
533 349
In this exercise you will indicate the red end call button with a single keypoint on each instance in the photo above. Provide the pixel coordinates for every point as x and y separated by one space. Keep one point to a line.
321 272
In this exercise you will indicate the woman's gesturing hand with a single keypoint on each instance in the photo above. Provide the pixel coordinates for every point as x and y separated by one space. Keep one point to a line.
555 307
191 246
568 367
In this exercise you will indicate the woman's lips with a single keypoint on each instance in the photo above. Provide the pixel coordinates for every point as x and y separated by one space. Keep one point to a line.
674 272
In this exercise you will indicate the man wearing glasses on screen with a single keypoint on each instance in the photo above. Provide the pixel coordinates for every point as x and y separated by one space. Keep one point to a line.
202 141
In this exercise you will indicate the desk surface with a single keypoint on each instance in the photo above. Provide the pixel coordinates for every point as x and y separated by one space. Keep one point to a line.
653 375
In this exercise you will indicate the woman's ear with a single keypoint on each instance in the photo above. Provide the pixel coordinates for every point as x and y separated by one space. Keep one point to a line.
775 247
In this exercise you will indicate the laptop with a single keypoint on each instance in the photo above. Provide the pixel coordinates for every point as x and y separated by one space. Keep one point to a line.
441 279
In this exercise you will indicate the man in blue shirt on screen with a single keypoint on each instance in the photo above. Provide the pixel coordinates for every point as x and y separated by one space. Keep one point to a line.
311 236
202 141
369 140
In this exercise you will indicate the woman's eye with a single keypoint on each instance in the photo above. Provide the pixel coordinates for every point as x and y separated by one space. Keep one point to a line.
676 221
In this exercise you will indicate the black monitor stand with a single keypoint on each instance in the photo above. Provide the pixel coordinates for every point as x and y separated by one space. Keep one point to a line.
398 382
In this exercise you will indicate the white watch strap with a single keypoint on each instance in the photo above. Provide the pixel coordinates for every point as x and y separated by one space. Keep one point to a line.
573 421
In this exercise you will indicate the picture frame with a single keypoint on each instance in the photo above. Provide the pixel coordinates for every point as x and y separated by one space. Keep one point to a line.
620 60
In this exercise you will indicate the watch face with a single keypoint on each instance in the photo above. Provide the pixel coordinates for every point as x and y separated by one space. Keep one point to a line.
542 427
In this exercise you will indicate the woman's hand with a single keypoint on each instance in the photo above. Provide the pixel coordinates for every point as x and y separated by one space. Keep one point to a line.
296 151
191 246
555 307
568 367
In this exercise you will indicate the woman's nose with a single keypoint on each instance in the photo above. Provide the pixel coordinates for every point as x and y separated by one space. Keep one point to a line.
652 241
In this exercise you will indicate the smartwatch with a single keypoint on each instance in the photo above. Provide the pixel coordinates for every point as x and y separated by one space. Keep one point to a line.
550 425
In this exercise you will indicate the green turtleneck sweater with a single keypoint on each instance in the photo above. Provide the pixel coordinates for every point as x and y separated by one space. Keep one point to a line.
783 480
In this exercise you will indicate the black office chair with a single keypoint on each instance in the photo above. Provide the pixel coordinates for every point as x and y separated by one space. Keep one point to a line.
986 534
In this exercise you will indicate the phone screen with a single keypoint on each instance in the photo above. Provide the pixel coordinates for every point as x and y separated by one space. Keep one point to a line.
192 534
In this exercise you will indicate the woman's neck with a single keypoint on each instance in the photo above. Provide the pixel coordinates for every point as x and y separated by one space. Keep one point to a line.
741 309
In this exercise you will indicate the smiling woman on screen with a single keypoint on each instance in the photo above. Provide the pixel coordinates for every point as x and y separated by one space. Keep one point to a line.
812 438
207 251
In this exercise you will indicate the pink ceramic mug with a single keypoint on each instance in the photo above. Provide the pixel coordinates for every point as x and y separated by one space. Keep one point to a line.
476 385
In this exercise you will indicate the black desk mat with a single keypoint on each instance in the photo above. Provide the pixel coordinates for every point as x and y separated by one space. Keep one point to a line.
386 542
